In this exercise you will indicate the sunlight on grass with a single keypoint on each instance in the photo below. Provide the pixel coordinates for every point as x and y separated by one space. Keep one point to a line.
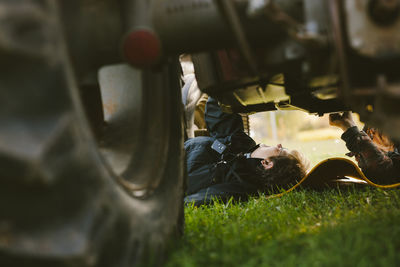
319 134
305 228
337 227
346 227
316 150
307 133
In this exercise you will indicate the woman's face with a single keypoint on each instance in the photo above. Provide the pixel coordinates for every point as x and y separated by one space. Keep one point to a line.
265 152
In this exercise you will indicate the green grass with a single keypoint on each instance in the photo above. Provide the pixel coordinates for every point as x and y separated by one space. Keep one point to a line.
346 227
304 228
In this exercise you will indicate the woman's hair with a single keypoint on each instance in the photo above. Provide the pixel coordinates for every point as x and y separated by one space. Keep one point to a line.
286 171
383 142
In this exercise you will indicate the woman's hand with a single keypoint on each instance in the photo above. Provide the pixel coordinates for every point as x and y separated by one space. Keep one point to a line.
343 121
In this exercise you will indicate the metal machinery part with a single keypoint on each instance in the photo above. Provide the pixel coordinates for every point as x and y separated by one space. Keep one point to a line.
318 56
372 52
89 177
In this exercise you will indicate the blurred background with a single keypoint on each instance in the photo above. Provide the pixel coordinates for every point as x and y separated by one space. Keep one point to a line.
299 130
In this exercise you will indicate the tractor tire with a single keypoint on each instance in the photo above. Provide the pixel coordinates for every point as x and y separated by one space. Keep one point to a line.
75 192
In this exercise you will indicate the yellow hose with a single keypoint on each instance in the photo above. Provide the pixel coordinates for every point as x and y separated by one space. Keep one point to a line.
360 176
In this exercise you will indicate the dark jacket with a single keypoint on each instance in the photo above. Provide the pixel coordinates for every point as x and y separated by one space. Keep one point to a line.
208 176
377 156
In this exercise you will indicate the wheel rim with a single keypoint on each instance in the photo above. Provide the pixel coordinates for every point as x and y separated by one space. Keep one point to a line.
134 143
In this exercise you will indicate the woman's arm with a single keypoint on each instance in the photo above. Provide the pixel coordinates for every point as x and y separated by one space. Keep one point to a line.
378 165
221 124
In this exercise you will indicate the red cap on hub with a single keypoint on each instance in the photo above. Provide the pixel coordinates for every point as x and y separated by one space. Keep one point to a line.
142 48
